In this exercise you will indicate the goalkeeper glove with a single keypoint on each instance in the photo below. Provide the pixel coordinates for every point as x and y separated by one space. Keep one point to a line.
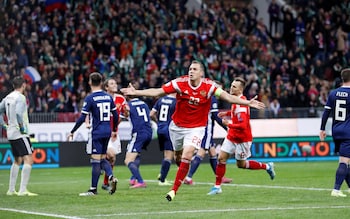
4 126
23 130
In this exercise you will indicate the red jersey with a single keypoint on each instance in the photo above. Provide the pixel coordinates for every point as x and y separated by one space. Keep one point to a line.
192 103
120 103
239 130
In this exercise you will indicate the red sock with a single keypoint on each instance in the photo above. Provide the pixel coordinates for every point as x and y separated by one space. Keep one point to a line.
105 180
255 165
181 174
220 172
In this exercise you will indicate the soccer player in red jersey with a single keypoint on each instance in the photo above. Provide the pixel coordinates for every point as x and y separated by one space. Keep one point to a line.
114 144
238 140
193 101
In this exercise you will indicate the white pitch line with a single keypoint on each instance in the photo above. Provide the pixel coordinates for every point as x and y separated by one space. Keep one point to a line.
258 186
217 210
207 183
39 213
194 211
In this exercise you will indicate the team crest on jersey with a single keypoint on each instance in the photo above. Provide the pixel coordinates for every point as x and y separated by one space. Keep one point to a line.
168 84
203 93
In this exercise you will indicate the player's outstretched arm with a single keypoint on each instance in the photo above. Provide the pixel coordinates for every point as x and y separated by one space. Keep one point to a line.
237 100
256 104
150 92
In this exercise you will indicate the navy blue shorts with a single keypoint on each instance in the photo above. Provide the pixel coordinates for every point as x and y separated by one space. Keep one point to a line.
99 145
139 141
343 147
165 142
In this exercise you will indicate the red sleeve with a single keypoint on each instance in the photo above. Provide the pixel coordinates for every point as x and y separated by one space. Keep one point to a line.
169 88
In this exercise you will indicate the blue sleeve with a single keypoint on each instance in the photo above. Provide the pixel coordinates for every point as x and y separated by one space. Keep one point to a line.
78 123
214 116
115 120
325 118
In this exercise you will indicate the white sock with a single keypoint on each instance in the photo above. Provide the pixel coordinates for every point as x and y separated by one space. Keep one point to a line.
13 177
25 177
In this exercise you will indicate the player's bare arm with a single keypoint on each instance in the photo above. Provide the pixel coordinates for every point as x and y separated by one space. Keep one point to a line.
236 100
151 92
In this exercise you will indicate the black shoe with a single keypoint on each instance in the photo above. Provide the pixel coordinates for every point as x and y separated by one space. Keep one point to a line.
113 185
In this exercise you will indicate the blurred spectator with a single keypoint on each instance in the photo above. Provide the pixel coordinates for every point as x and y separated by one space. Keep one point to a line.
300 32
275 108
274 13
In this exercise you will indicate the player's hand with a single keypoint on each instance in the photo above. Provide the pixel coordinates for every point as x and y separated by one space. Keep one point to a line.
4 126
322 135
126 108
23 130
221 114
256 104
130 90
70 137
225 122
113 136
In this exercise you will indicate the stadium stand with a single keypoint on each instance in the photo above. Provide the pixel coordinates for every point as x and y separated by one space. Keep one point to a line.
149 42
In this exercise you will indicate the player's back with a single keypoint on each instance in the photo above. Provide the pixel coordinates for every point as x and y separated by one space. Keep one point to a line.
99 104
339 102
139 116
15 103
165 107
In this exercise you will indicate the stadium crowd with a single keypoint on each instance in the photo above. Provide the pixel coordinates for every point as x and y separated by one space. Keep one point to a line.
149 42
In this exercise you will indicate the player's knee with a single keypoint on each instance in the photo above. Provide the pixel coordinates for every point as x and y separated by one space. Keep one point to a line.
201 153
178 161
111 160
240 164
127 161
221 159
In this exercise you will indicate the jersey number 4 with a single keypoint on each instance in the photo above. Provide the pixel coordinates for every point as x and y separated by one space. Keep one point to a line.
142 112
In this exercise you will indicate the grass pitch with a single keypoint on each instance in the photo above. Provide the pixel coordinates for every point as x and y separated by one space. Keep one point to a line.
300 190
